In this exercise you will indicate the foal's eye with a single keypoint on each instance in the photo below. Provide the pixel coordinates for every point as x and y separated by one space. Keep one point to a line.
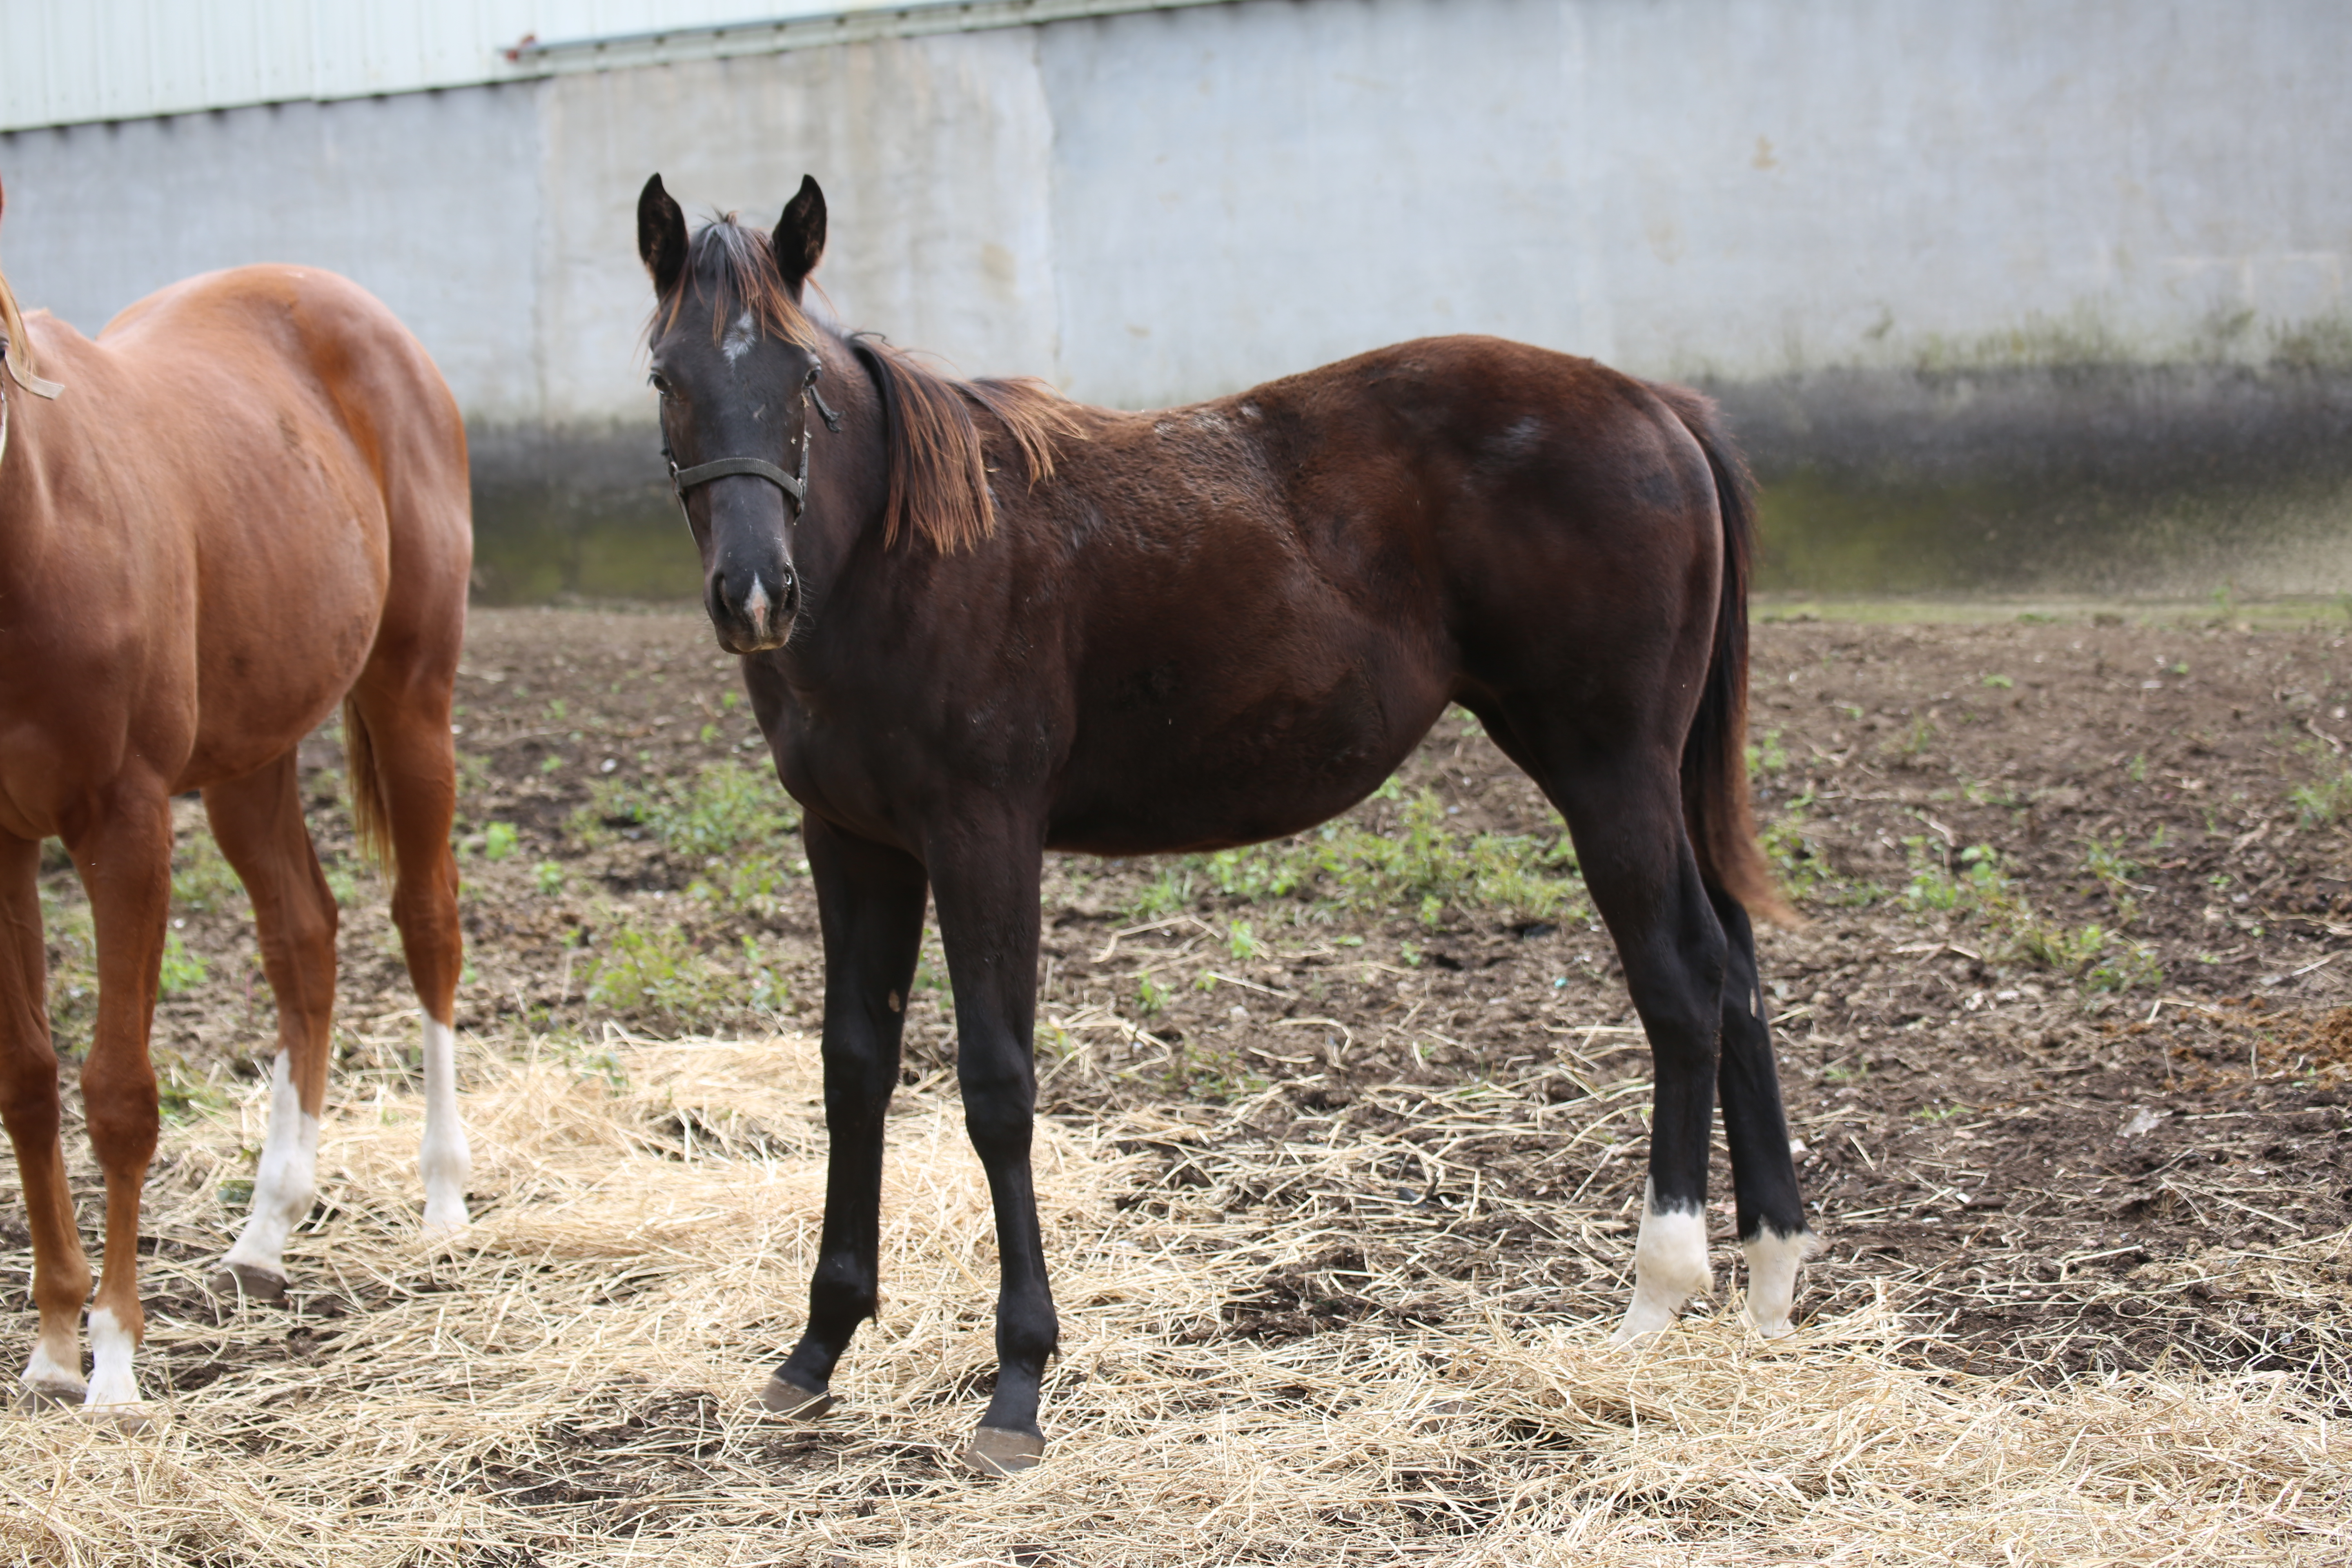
657 384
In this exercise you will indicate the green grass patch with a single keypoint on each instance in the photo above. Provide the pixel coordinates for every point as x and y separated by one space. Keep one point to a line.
202 877
661 977
733 823
1972 888
1423 864
2323 803
182 970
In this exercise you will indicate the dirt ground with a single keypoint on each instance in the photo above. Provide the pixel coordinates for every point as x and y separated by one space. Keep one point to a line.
2064 1040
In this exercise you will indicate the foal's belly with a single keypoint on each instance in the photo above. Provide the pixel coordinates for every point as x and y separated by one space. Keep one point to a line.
1179 781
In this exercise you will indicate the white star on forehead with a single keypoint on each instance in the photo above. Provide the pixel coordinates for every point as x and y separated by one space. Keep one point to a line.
740 338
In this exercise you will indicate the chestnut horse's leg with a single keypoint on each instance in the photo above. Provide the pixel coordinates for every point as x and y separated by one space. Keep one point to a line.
258 821
406 715
28 1103
984 878
869 901
1772 1231
124 853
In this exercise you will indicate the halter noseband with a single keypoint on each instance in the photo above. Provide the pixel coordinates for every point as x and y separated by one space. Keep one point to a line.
793 485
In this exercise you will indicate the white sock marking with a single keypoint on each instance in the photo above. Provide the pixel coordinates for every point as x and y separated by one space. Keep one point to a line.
287 1179
1773 1260
111 1378
756 607
1669 1269
46 1373
443 1158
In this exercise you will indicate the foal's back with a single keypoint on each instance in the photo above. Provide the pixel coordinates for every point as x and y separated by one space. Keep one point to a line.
1280 591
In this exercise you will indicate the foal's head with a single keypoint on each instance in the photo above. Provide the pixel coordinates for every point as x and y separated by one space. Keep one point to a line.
735 362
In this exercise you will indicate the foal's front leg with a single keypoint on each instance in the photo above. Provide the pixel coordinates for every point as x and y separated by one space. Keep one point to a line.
869 901
986 879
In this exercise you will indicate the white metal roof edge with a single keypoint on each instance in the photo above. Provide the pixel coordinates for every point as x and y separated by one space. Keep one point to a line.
530 59
673 46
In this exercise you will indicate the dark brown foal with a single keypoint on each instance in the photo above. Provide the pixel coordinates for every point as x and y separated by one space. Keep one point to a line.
247 504
979 621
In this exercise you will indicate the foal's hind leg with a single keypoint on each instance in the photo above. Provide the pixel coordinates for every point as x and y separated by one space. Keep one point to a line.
405 715
1772 1230
1625 809
28 1104
869 901
258 821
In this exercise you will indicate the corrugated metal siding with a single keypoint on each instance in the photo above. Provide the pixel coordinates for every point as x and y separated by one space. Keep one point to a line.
67 62
64 62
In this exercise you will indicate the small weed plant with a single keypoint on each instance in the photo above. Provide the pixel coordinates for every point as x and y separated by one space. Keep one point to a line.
658 975
1972 888
182 970
2323 803
728 820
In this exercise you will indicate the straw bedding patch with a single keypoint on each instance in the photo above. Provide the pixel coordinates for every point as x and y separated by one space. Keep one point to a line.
575 1383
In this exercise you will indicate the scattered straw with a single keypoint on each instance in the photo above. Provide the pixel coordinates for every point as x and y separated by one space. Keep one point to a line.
573 1386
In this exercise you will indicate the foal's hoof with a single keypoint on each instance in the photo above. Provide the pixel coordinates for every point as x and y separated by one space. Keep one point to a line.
995 1451
245 1281
788 1399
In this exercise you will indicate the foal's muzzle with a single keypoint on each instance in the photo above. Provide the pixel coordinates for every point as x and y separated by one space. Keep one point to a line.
749 586
752 602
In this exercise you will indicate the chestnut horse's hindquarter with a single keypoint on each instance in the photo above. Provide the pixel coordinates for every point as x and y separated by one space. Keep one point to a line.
249 503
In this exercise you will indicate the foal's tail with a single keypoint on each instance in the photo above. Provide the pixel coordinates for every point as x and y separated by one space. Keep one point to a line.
371 820
1714 757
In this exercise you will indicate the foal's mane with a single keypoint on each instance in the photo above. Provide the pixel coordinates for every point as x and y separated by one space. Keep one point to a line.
936 449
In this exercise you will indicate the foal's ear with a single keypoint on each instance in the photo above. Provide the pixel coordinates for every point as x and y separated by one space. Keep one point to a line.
799 240
661 237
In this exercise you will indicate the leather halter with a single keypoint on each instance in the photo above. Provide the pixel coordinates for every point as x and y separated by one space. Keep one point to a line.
12 368
793 485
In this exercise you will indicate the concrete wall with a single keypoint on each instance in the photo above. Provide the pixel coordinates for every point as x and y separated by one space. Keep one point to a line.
2074 269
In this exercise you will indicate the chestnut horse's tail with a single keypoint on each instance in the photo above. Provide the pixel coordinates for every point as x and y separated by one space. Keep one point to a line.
1714 757
371 819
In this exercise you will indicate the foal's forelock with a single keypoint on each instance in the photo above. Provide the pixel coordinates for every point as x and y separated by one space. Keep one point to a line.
735 269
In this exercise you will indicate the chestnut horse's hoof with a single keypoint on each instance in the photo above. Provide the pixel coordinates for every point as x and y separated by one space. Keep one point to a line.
243 1281
128 1419
33 1396
995 1451
788 1399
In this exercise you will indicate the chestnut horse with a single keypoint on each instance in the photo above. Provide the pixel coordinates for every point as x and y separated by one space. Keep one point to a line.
979 621
248 502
